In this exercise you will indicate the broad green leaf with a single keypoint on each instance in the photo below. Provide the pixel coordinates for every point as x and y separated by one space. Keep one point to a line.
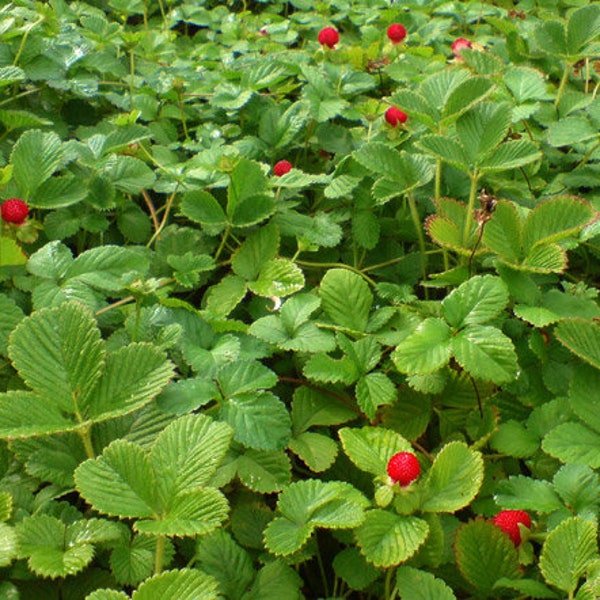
486 353
252 211
244 376
416 584
8 545
297 310
10 316
318 451
59 354
259 420
131 175
224 296
530 588
247 180
354 569
583 27
579 487
514 439
573 443
35 157
203 208
566 552
484 63
445 233
536 315
120 482
510 155
219 556
51 261
313 407
453 480
278 277
58 192
11 254
503 233
582 338
106 594
275 580
570 130
187 453
133 561
387 539
465 95
426 350
284 537
552 38
525 84
374 390
583 395
485 554
323 368
258 249
555 220
371 448
545 258
264 472
446 149
6 506
10 74
476 301
183 584
524 493
483 128
346 299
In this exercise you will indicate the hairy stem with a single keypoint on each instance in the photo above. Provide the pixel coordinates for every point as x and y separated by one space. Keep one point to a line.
470 208
159 557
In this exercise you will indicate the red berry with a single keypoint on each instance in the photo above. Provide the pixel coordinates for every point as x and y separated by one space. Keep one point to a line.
396 33
394 116
328 37
282 167
508 521
403 468
460 44
14 210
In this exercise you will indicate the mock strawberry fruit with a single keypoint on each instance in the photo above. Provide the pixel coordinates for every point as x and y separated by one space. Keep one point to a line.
328 37
458 45
396 33
14 210
508 521
403 468
282 167
394 116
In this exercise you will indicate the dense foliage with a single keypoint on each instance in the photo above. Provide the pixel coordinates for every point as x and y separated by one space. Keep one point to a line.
298 299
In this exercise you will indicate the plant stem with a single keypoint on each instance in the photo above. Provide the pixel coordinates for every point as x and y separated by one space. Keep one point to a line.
414 213
561 86
438 178
159 557
470 208
305 263
151 209
388 584
322 571
86 438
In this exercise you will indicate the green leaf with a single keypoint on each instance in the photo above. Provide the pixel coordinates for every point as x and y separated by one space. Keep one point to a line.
353 568
446 149
10 74
513 439
346 299
305 505
10 316
186 455
570 130
375 390
525 587
476 301
131 492
526 84
582 394
318 451
445 233
184 584
503 233
35 157
203 208
566 552
573 442
264 472
426 350
545 258
486 353
453 480
8 546
582 338
485 554
224 296
583 27
275 580
59 354
247 180
11 253
555 220
510 155
58 192
278 277
523 493
259 248
371 448
107 594
387 539
415 584
131 175
464 96
579 487
312 407
552 38
133 561
259 420
245 376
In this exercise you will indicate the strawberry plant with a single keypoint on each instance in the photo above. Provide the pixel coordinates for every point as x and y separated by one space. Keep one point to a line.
299 300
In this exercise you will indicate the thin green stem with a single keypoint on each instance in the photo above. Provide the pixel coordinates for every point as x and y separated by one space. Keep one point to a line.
159 557
168 206
388 584
562 85
183 119
305 263
24 40
222 244
470 208
414 213
438 178
86 437
323 573
131 77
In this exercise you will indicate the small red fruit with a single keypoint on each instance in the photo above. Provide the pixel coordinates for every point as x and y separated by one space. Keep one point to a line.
394 116
396 33
508 521
14 210
282 167
403 468
460 44
328 37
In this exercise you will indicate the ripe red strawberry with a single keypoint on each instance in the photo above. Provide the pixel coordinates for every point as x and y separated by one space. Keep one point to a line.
395 116
328 37
508 521
14 210
282 167
403 468
396 33
460 44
